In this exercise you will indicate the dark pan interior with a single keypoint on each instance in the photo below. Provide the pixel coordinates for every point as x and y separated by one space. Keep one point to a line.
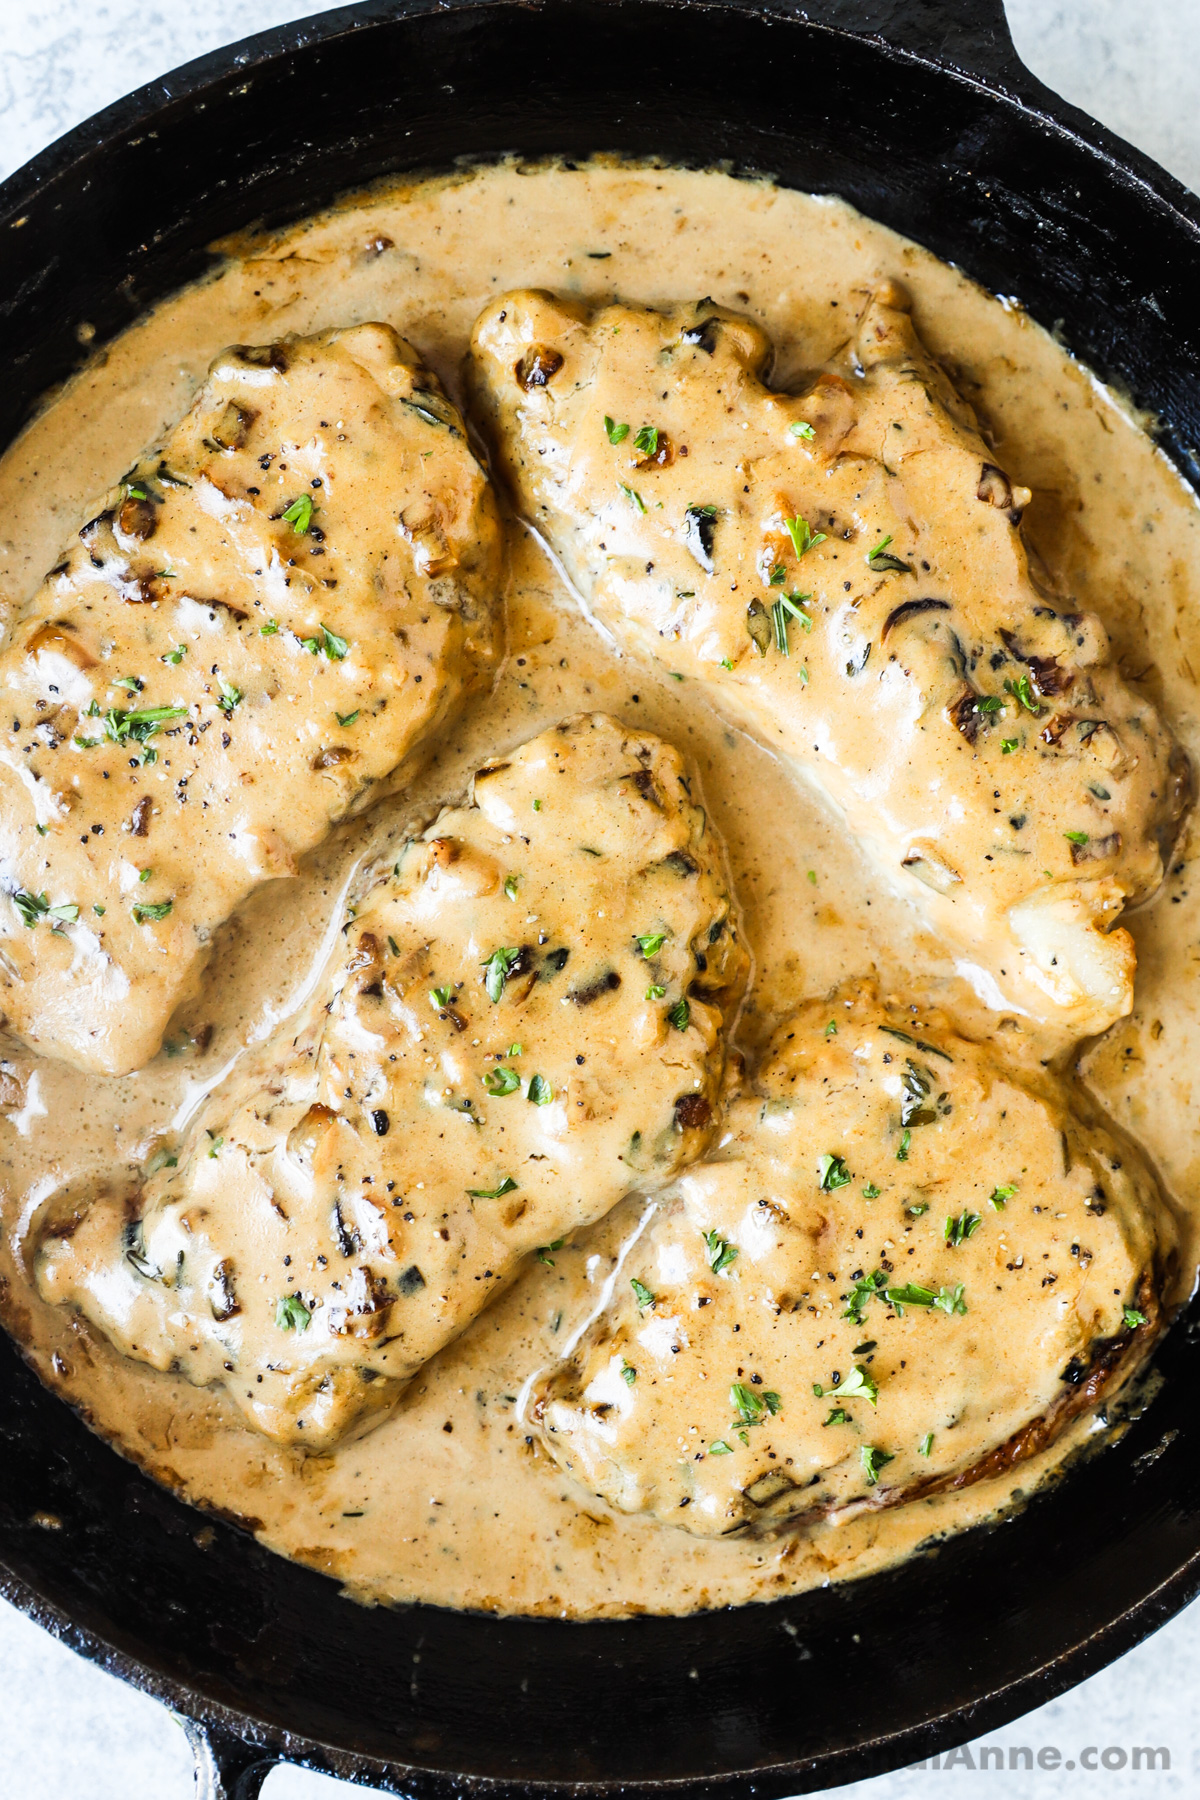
832 1685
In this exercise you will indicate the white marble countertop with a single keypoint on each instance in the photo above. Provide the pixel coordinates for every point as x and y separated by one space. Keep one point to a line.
69 1732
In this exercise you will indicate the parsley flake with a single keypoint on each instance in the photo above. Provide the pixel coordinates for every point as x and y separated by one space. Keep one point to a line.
803 537
291 1314
151 910
299 514
873 1460
721 1253
505 1186
496 971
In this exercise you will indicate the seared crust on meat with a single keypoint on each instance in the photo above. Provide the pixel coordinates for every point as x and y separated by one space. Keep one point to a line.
903 1270
527 1018
275 608
845 569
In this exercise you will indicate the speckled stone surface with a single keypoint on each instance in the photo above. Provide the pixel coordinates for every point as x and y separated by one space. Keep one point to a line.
69 1732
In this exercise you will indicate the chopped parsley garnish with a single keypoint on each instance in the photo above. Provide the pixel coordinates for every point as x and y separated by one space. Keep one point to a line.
750 1406
880 558
175 656
926 1444
864 1289
788 606
506 1186
34 907
859 1384
651 943
654 991
1022 692
1008 745
679 1015
873 1461
299 514
720 1448
540 1092
1133 1318
136 724
145 874
136 493
832 1172
721 1253
133 684
628 1373
496 971
510 886
291 1314
870 1191
270 629
543 1254
958 1229
634 498
646 440
905 1141
1076 837
868 1287
214 1144
347 719
917 1210
230 697
616 433
989 705
800 428
803 537
501 1081
642 1294
440 997
147 912
328 644
1000 1196
838 1416
947 1300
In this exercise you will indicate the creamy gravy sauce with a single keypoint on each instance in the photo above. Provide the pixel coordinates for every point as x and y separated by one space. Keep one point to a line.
450 1500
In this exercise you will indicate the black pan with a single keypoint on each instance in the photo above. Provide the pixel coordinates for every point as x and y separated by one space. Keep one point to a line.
919 113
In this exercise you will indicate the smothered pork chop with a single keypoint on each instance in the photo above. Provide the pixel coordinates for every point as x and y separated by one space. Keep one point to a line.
281 601
845 569
902 1270
526 1019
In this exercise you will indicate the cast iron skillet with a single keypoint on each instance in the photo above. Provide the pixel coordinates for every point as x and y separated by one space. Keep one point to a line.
919 113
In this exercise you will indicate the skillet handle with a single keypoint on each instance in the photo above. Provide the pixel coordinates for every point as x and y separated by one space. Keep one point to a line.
971 35
227 1768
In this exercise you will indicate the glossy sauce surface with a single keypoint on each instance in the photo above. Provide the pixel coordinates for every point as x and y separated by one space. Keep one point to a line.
451 1500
